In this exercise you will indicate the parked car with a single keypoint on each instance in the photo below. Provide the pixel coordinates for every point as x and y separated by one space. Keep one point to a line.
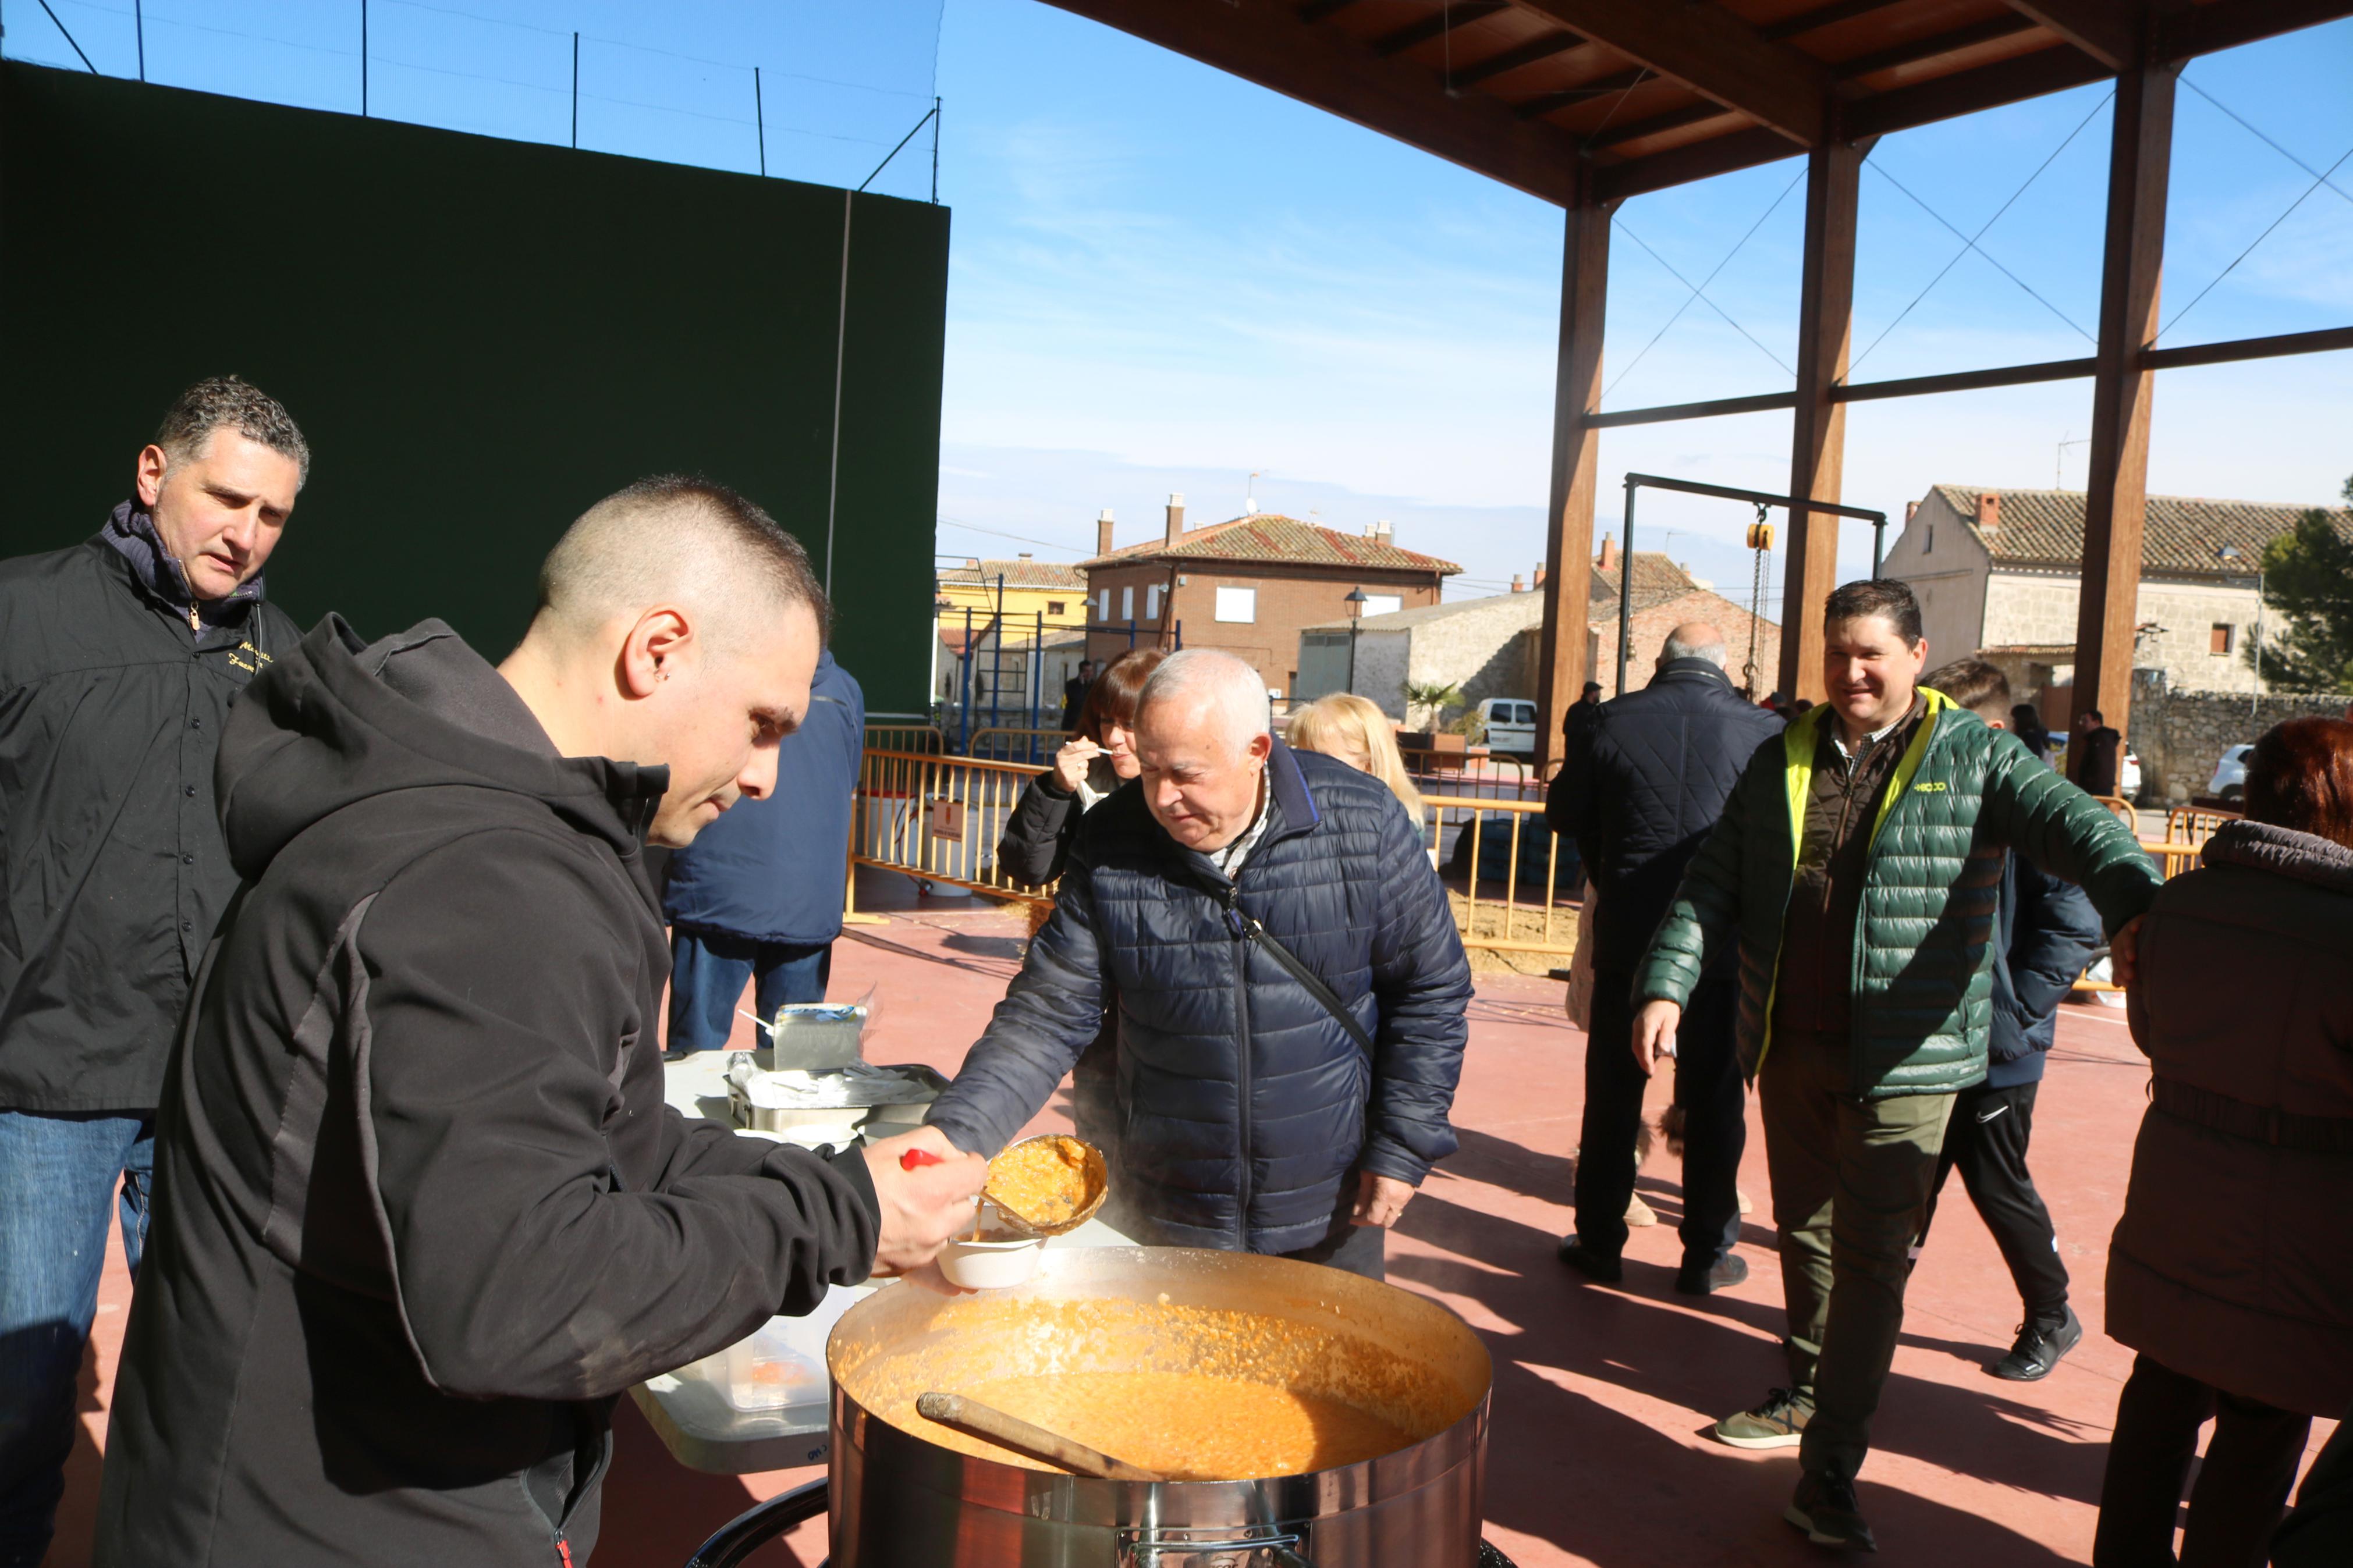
2229 782
1511 725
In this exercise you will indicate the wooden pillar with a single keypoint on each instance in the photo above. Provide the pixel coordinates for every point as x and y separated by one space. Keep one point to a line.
2140 156
1818 430
1575 445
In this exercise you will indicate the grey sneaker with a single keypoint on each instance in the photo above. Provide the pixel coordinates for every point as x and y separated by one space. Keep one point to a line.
1778 1423
1824 1508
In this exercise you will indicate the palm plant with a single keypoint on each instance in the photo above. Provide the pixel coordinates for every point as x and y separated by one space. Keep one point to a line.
1430 699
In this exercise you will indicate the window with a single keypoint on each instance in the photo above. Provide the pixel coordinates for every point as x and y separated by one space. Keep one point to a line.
1383 603
1239 604
1928 540
1523 712
1152 603
1104 612
1128 603
1053 606
2218 639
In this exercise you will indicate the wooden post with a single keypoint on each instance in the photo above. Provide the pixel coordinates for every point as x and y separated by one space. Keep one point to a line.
2140 155
1817 429
1561 670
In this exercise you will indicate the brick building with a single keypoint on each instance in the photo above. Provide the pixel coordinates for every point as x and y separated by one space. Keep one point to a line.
1999 572
1249 586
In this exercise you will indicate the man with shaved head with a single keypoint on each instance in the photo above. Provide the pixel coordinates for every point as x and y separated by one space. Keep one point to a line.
421 1212
1642 785
1291 990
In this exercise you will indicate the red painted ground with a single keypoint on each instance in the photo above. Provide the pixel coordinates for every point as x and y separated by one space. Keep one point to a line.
1601 1396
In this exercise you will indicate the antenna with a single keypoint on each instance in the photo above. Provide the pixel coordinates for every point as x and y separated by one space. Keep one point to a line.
1250 503
2058 481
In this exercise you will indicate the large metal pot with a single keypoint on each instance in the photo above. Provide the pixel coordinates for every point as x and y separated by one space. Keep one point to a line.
902 1501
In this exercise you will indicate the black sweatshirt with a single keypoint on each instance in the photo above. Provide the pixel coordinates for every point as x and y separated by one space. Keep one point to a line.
420 1210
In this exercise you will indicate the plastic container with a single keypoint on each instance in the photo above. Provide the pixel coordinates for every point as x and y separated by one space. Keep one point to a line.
766 1373
991 1265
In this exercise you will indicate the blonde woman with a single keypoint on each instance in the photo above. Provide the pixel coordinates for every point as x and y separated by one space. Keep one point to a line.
1347 726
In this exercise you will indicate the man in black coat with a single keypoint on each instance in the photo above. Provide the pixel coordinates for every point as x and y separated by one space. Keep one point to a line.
1639 796
421 1212
2045 932
118 658
1290 989
2092 760
1074 693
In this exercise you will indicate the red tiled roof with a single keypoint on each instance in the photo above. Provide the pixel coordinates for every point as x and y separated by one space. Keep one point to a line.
1022 574
2180 536
1657 579
1271 537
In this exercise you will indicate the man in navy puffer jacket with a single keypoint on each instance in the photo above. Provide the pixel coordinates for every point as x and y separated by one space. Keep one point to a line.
1254 1119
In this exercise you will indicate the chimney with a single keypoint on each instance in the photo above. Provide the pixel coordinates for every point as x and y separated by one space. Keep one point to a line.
1175 517
1102 531
1608 560
1909 507
1026 556
1381 530
1540 573
1989 511
1518 586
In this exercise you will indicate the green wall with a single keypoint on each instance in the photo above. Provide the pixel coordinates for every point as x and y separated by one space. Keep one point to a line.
479 337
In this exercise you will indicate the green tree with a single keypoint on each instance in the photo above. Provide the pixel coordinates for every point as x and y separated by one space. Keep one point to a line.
1431 698
2308 586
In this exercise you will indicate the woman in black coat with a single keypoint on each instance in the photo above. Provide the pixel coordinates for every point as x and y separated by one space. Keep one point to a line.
1096 761
2230 1273
1037 837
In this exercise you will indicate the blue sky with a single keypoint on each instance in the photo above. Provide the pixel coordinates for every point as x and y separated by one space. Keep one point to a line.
1164 279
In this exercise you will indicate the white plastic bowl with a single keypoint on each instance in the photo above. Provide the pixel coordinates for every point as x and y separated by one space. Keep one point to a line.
991 1265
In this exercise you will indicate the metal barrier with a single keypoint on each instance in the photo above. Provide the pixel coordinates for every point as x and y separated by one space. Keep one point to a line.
1008 743
938 820
904 733
1487 778
2195 824
1517 921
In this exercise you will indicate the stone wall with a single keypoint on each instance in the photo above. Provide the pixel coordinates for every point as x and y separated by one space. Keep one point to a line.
2179 735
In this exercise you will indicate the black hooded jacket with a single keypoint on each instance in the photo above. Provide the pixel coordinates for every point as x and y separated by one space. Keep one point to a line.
114 680
420 1211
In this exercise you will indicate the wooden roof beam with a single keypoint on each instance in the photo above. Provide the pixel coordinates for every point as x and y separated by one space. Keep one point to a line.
2107 30
1710 52
1919 50
1822 16
1966 92
1583 93
2227 24
1542 47
1695 160
1325 67
1413 35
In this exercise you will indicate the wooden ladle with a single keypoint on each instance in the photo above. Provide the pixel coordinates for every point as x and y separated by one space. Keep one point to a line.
970 1416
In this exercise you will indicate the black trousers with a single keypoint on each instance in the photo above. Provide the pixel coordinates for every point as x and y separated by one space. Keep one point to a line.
1708 1089
2242 1487
1986 1142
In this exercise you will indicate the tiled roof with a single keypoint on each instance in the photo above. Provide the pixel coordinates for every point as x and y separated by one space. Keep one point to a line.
2179 537
1657 579
1020 573
1271 537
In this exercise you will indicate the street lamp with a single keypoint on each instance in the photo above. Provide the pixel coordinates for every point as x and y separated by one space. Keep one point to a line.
1355 603
2254 697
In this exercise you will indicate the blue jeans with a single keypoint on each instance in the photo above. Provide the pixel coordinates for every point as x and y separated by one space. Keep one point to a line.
708 973
56 1175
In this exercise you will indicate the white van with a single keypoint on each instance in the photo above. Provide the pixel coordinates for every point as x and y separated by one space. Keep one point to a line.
1511 725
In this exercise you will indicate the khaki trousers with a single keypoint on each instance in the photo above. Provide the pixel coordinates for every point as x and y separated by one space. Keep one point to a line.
1852 1178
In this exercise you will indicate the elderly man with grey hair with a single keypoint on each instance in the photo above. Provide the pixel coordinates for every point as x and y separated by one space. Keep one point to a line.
1643 788
1290 986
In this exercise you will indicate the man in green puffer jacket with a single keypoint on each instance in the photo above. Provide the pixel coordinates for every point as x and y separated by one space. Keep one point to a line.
1857 867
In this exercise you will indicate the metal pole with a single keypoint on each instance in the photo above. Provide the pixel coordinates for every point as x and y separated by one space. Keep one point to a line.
760 120
363 54
139 20
575 92
2254 697
1626 591
935 151
1878 545
1352 656
963 736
